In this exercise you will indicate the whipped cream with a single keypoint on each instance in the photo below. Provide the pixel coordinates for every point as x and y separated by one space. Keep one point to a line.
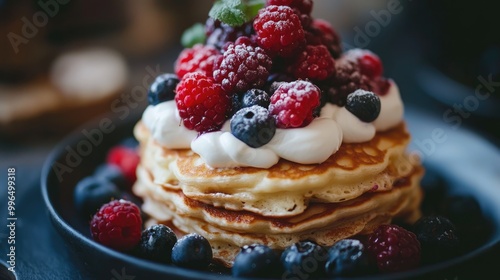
306 145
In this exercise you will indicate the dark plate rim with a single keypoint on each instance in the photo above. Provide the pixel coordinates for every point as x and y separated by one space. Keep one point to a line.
63 227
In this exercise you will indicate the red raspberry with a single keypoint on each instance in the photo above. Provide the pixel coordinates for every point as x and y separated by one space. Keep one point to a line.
322 33
293 104
118 225
197 59
394 248
314 63
370 65
279 30
302 8
242 67
126 159
203 105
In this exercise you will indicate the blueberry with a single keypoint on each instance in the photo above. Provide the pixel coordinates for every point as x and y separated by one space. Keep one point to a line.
256 260
438 238
129 142
110 172
304 259
363 104
91 193
162 89
255 97
192 251
347 257
253 125
156 244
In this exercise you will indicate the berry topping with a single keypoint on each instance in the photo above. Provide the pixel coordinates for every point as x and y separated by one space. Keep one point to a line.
192 251
394 248
363 104
313 63
91 193
199 58
126 159
302 8
347 257
438 238
242 67
202 104
322 33
219 33
162 89
253 125
370 65
118 225
156 243
293 104
255 97
279 31
255 260
347 79
304 259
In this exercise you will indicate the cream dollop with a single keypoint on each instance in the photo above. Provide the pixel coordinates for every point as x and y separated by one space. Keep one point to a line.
306 145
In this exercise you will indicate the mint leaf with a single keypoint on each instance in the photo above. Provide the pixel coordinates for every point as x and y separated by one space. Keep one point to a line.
193 35
228 11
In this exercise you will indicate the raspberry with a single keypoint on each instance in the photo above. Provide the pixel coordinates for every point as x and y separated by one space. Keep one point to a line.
293 104
394 248
322 33
197 59
314 63
302 8
203 105
219 33
242 67
347 80
279 31
126 159
370 65
118 225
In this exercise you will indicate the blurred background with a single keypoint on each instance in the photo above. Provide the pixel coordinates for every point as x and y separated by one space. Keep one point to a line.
66 62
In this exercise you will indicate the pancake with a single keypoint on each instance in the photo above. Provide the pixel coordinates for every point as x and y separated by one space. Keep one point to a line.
287 188
324 223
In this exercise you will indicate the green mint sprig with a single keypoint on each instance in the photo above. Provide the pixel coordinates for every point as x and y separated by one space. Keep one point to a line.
235 12
193 35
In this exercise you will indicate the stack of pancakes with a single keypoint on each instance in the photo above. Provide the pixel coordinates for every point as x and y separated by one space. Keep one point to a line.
358 188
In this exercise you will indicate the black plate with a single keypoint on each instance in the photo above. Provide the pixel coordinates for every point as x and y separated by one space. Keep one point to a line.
467 162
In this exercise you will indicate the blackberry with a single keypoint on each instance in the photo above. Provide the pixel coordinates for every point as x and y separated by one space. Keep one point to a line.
347 257
348 79
304 259
256 260
162 89
365 105
438 238
241 68
219 33
253 125
255 97
156 243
